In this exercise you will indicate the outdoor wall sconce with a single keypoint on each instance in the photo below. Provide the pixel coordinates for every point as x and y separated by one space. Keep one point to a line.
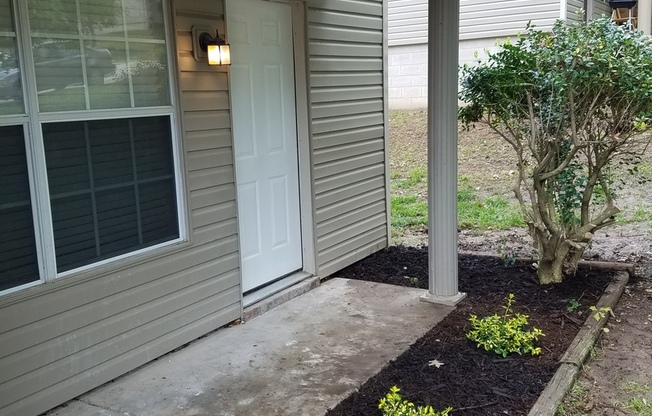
214 48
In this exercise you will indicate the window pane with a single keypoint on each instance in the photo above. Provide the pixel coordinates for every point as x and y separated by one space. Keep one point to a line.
148 68
145 19
59 74
18 261
6 21
112 187
106 61
11 92
53 16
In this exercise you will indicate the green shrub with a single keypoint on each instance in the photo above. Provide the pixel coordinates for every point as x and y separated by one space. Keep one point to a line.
394 405
505 334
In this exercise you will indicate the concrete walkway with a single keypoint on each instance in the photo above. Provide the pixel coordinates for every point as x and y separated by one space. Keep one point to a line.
300 358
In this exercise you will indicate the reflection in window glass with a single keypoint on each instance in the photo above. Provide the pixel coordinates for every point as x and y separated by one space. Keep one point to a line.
108 62
18 263
11 91
6 22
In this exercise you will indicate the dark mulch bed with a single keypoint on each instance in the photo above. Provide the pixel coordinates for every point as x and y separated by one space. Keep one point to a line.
472 381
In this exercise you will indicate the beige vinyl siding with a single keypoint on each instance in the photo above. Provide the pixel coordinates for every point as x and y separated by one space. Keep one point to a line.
345 47
63 338
572 10
600 8
407 22
499 18
408 19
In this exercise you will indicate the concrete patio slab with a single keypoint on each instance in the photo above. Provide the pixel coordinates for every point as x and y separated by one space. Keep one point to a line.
300 358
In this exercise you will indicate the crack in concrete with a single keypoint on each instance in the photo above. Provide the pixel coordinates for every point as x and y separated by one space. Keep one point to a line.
88 403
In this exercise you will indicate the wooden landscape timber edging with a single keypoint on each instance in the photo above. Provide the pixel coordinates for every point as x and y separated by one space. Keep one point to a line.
572 360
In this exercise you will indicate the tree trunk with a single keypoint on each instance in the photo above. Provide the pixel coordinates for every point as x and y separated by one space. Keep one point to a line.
552 259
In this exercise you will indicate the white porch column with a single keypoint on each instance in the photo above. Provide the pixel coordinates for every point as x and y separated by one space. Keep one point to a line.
645 16
443 57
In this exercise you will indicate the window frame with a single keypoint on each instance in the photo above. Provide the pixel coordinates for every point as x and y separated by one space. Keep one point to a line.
32 120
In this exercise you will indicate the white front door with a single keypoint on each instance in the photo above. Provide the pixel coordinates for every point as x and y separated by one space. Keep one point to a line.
265 139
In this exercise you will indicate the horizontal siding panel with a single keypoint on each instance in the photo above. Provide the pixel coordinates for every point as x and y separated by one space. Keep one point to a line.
347 259
345 79
601 8
346 123
206 120
327 95
351 191
207 139
335 33
357 202
212 196
206 159
203 7
71 297
203 81
343 179
336 18
348 164
572 10
368 7
344 137
352 245
194 323
214 213
215 232
323 64
354 149
342 49
207 178
351 218
407 22
205 100
339 109
346 233
147 302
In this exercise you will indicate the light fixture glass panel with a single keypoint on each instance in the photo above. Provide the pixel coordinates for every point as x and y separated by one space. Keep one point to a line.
219 55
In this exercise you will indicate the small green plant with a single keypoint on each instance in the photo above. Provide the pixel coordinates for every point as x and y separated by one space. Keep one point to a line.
414 281
507 255
573 305
574 403
601 313
505 334
640 406
393 404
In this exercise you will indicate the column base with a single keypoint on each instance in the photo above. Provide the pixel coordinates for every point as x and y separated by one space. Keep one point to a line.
443 300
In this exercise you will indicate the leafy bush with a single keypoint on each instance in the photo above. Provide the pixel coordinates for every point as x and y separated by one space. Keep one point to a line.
505 334
394 405
572 103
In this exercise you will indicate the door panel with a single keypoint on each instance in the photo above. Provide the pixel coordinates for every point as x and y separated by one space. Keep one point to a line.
265 139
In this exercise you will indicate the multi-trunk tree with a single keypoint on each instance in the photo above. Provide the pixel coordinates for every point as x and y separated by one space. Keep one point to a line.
571 103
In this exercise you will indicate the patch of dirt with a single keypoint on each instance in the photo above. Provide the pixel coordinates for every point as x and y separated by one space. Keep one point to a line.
472 381
620 369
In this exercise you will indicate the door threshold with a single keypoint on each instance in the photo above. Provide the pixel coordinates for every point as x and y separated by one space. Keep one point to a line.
260 301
